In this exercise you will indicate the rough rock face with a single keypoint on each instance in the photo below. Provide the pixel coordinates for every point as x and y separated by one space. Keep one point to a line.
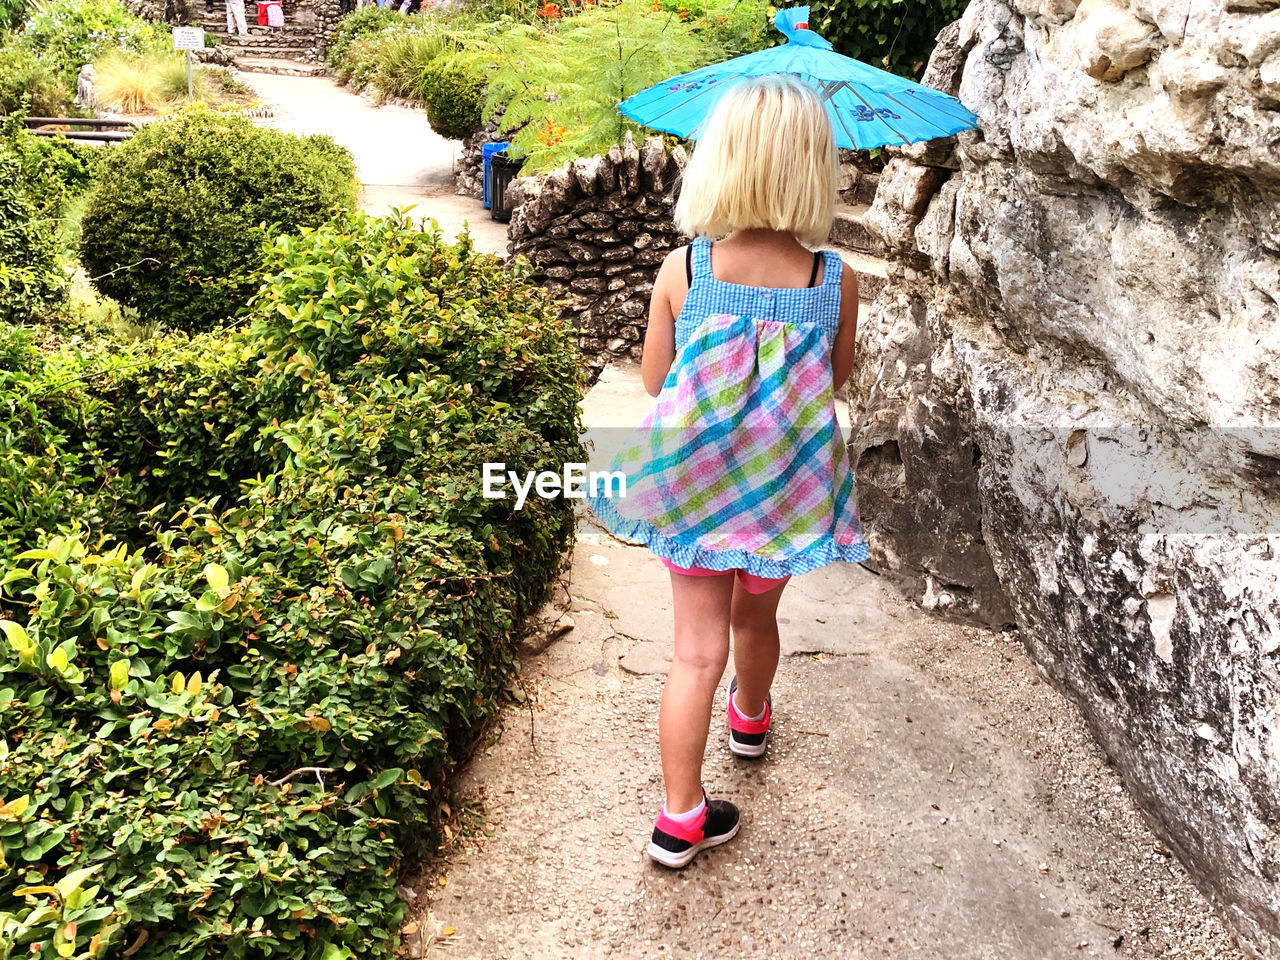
599 228
1075 372
166 11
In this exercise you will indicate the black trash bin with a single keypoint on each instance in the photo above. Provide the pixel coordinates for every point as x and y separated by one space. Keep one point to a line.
502 170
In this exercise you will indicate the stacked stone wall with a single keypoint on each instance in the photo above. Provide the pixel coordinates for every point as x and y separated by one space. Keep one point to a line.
598 229
469 177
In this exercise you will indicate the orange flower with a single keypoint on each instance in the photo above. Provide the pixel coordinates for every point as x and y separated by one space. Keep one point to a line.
551 11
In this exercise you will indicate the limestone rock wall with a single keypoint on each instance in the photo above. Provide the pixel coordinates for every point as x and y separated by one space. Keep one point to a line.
1074 376
599 228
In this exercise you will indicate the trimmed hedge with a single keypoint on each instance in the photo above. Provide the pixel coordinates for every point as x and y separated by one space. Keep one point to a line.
453 96
349 602
174 225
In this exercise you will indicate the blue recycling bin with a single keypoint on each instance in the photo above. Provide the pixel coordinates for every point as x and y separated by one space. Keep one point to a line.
487 152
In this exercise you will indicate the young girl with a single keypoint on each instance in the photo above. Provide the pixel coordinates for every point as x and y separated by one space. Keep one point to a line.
275 16
737 479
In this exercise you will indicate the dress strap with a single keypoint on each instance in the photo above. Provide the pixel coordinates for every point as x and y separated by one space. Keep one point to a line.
833 273
700 254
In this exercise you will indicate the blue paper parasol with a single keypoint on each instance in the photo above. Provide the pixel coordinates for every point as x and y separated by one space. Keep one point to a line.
868 107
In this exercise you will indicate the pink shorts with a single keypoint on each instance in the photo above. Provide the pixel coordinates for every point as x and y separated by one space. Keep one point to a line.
750 582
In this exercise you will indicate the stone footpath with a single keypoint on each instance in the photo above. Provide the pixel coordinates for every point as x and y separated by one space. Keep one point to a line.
924 795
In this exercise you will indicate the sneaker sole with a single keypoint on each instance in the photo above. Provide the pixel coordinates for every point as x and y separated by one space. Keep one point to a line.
746 749
678 860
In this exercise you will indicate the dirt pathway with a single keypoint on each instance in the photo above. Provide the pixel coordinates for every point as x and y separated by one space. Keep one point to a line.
924 795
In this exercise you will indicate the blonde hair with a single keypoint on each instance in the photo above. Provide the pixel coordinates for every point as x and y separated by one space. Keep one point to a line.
766 159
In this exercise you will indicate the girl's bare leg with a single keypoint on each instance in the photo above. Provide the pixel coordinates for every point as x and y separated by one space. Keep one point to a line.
754 618
702 607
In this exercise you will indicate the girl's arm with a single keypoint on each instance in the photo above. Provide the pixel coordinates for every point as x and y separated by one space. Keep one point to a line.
847 334
660 336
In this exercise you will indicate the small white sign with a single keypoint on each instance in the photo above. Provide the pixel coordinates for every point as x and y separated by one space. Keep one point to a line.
188 38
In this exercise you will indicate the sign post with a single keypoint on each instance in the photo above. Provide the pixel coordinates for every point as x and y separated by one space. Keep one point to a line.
188 39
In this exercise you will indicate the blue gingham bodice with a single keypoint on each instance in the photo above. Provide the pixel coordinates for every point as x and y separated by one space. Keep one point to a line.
802 305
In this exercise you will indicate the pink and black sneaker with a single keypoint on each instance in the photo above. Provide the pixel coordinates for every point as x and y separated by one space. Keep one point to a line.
746 736
674 844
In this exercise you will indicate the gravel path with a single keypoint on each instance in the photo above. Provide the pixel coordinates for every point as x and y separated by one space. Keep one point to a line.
924 795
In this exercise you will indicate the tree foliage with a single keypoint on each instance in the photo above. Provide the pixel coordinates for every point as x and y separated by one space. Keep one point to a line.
895 35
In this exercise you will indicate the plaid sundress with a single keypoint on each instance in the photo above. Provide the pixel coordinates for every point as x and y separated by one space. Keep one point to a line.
740 463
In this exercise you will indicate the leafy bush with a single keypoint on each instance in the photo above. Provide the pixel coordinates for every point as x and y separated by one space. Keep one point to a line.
54 170
171 226
361 64
453 96
38 473
33 284
70 33
360 23
39 178
890 34
268 693
30 83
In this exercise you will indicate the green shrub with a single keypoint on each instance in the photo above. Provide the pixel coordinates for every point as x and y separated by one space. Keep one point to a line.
70 33
360 23
30 83
47 477
353 606
39 178
170 227
453 97
361 64
33 284
890 34
53 169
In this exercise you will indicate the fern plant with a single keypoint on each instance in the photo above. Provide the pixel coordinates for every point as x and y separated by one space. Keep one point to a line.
561 81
